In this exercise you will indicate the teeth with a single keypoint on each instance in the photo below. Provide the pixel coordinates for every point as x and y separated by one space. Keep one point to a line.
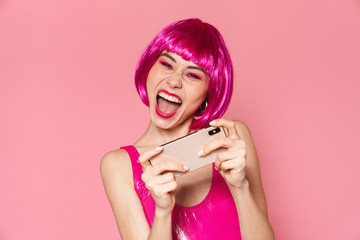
169 98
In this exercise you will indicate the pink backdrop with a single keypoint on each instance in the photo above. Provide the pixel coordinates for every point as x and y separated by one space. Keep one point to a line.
66 73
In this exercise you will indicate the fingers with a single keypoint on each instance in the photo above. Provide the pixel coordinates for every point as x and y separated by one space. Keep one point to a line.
156 174
161 179
232 164
231 144
232 141
152 182
161 184
164 189
228 125
223 156
166 167
230 160
145 157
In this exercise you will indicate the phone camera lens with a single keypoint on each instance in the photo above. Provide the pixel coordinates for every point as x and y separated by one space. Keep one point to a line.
214 131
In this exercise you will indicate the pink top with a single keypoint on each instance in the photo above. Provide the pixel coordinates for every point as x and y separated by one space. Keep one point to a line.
214 218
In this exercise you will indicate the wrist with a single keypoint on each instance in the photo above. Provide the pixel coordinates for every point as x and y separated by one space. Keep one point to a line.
163 213
161 226
241 190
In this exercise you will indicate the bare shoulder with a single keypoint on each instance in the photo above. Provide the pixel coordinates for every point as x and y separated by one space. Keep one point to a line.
117 163
243 130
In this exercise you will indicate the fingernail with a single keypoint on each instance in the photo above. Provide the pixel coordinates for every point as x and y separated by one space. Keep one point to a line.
186 168
216 168
159 148
200 153
212 122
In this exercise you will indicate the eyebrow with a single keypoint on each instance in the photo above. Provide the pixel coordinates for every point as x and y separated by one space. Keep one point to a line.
189 67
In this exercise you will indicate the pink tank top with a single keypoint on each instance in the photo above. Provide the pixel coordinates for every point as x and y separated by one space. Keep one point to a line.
213 218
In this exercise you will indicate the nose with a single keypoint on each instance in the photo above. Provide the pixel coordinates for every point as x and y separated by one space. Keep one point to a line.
175 81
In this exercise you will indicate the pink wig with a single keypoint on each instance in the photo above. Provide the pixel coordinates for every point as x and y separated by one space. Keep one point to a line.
202 44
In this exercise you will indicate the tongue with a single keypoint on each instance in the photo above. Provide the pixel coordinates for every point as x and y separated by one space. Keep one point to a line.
166 106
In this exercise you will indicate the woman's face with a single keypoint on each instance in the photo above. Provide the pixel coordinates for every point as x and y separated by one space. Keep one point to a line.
176 88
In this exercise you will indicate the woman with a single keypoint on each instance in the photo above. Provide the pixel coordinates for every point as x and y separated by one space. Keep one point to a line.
185 77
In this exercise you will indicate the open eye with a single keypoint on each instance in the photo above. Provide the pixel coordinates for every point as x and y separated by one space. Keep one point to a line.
167 65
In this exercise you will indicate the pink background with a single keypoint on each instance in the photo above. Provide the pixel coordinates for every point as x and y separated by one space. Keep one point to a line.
67 97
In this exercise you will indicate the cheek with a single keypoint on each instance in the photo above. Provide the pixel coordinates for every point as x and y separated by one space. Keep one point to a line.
155 76
202 91
150 82
198 95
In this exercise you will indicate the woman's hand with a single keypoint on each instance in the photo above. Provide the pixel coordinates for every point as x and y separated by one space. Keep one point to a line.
162 186
231 163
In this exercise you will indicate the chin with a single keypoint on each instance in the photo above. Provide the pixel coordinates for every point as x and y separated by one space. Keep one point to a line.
169 123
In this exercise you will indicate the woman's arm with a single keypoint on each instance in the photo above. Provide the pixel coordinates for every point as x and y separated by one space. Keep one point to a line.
239 166
116 172
250 199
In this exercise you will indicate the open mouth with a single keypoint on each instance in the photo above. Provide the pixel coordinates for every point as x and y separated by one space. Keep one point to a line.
167 104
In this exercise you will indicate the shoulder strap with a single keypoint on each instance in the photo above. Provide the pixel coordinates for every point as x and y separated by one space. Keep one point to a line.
134 157
144 195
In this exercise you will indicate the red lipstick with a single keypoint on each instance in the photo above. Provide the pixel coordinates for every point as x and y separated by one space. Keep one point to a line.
160 113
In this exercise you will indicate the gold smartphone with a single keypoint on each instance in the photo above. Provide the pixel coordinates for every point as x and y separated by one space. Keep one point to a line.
185 149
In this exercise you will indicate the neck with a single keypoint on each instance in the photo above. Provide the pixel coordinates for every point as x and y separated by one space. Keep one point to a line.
155 136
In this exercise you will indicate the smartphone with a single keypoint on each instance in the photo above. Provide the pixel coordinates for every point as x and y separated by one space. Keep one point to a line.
185 149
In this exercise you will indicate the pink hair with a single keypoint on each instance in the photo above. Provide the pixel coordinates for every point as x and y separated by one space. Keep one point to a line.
202 44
